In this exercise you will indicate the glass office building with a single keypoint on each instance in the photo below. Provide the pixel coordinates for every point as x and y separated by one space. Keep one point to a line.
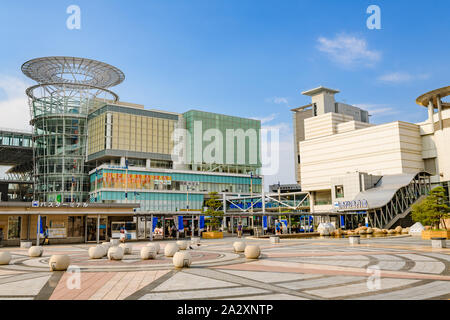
131 149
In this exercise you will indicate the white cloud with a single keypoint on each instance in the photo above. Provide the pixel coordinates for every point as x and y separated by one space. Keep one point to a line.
348 50
267 119
14 107
277 100
402 77
377 109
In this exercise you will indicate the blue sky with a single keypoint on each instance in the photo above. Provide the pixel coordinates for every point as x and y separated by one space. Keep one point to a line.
244 58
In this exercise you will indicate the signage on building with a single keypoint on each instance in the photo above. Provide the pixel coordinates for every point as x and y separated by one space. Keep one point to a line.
37 204
114 180
55 233
350 205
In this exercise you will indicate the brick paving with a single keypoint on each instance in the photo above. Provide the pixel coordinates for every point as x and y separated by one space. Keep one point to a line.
295 269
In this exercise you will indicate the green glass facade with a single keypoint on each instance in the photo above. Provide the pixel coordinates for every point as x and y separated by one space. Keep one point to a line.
240 147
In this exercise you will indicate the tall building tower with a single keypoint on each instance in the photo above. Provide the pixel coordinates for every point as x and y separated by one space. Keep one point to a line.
68 90
322 101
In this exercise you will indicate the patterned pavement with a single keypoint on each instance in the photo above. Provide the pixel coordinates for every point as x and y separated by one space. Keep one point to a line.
301 269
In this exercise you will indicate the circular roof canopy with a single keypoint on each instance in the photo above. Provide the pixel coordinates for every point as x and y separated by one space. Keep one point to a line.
425 99
71 70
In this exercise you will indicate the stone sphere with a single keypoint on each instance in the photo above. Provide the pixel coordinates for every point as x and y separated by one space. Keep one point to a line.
59 262
107 245
398 229
97 252
127 249
195 241
115 253
5 258
171 249
326 229
182 259
148 253
182 245
155 246
405 231
252 252
239 246
35 251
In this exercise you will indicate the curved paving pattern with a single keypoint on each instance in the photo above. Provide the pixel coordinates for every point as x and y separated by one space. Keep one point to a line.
293 270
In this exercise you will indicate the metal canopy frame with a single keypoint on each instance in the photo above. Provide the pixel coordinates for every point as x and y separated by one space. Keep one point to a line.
68 89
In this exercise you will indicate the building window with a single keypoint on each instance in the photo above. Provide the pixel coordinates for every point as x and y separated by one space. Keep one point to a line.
339 190
75 227
430 166
14 227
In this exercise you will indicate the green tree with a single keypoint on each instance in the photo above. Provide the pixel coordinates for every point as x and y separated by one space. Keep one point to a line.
433 210
213 204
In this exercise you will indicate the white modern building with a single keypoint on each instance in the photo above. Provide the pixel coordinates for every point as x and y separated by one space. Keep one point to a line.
374 172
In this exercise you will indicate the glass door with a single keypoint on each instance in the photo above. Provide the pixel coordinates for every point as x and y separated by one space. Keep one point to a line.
92 229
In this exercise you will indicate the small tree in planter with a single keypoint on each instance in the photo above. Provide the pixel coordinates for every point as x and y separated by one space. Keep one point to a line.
213 204
433 210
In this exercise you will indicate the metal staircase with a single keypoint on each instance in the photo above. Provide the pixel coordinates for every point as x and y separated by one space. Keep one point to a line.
400 205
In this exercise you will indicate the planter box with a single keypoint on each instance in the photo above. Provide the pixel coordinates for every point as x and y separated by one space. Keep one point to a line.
428 234
212 235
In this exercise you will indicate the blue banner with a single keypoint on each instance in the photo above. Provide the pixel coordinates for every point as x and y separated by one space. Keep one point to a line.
154 223
180 223
342 222
202 222
40 227
265 222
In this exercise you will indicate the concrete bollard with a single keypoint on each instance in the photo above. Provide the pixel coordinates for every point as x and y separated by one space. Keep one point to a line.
115 242
148 252
439 243
182 245
182 259
5 258
354 240
239 246
35 252
97 252
26 244
115 253
252 252
170 249
59 262
274 240
195 241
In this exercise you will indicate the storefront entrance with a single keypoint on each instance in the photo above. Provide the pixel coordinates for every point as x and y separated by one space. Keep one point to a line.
92 229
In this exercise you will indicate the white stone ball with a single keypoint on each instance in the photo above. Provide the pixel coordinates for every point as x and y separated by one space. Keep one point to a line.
5 258
97 252
252 252
239 246
182 259
195 241
148 253
127 249
170 249
115 253
107 245
182 244
59 262
155 245
35 251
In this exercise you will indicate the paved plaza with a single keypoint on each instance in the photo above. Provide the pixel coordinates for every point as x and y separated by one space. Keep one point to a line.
303 269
